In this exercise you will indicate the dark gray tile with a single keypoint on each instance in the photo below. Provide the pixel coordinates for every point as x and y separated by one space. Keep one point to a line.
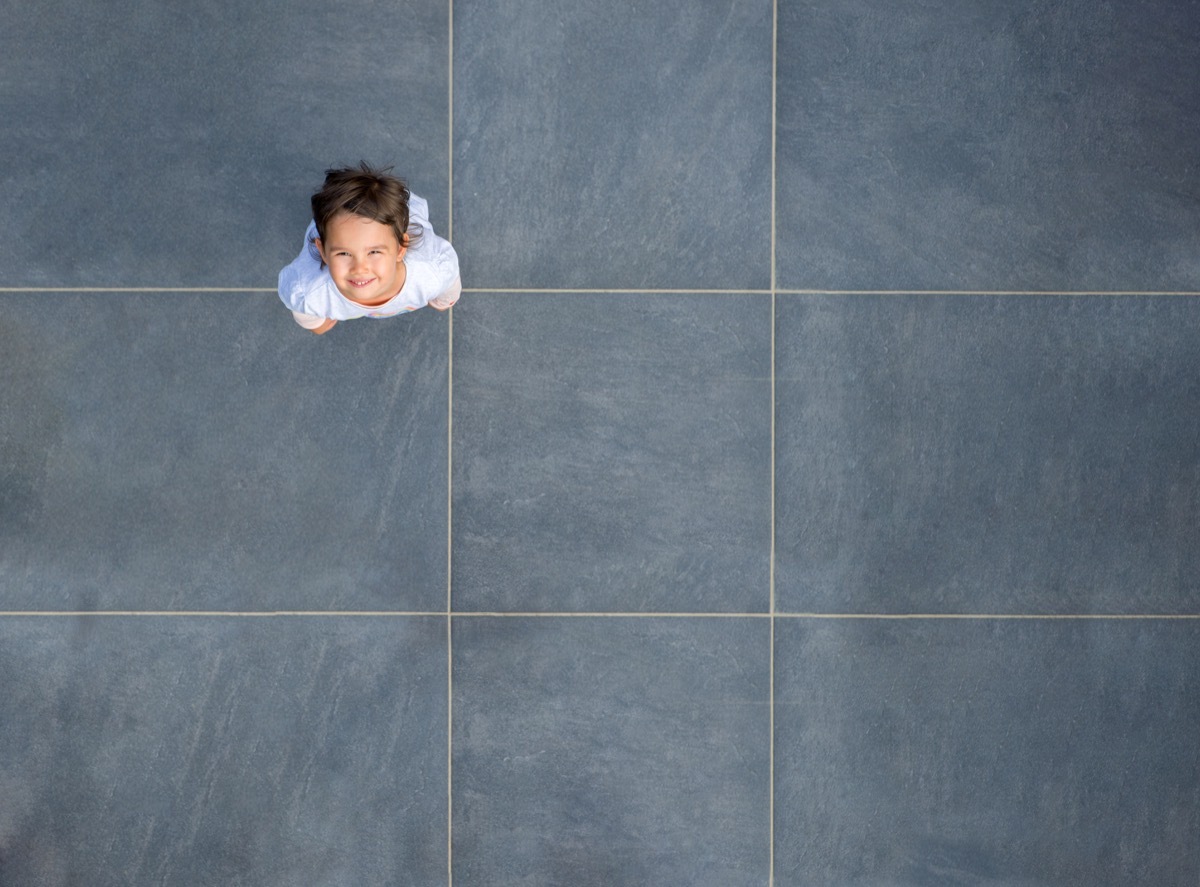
223 752
629 751
987 454
1019 753
612 453
203 452
164 144
943 145
613 145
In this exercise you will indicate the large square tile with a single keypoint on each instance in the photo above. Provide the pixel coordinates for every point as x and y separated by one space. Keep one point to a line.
986 752
613 145
201 451
943 145
612 453
161 144
987 454
244 752
600 751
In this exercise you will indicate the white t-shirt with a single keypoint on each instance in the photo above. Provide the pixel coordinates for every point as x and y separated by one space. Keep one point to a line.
431 270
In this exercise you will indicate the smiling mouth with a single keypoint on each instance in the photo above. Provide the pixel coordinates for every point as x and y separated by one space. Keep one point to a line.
361 283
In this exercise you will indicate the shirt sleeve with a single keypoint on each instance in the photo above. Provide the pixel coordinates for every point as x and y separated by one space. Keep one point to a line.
449 297
441 282
297 278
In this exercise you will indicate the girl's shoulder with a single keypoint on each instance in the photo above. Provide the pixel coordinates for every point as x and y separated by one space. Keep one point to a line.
418 208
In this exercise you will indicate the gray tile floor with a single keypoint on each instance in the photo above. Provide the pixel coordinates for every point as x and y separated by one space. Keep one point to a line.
804 492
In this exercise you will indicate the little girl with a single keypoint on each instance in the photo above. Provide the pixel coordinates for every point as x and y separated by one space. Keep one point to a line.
368 252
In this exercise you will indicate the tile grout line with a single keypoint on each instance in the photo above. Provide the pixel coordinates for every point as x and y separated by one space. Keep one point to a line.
628 291
992 617
771 545
449 601
984 292
137 289
481 614
996 617
449 598
450 123
449 750
631 290
774 102
450 457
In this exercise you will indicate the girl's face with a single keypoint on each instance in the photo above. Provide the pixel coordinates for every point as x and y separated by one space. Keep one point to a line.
365 260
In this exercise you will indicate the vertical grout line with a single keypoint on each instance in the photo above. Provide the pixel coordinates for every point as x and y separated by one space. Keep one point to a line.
449 599
450 313
449 461
771 763
449 750
774 40
450 457
771 569
774 64
450 126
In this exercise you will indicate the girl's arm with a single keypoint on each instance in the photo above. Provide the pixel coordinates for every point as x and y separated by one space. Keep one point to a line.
318 325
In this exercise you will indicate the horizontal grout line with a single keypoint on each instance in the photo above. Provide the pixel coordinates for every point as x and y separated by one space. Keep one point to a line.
816 292
990 616
442 614
255 289
239 614
624 291
613 615
136 289
964 292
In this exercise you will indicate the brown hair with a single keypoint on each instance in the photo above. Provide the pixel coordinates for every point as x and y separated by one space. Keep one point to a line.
368 192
